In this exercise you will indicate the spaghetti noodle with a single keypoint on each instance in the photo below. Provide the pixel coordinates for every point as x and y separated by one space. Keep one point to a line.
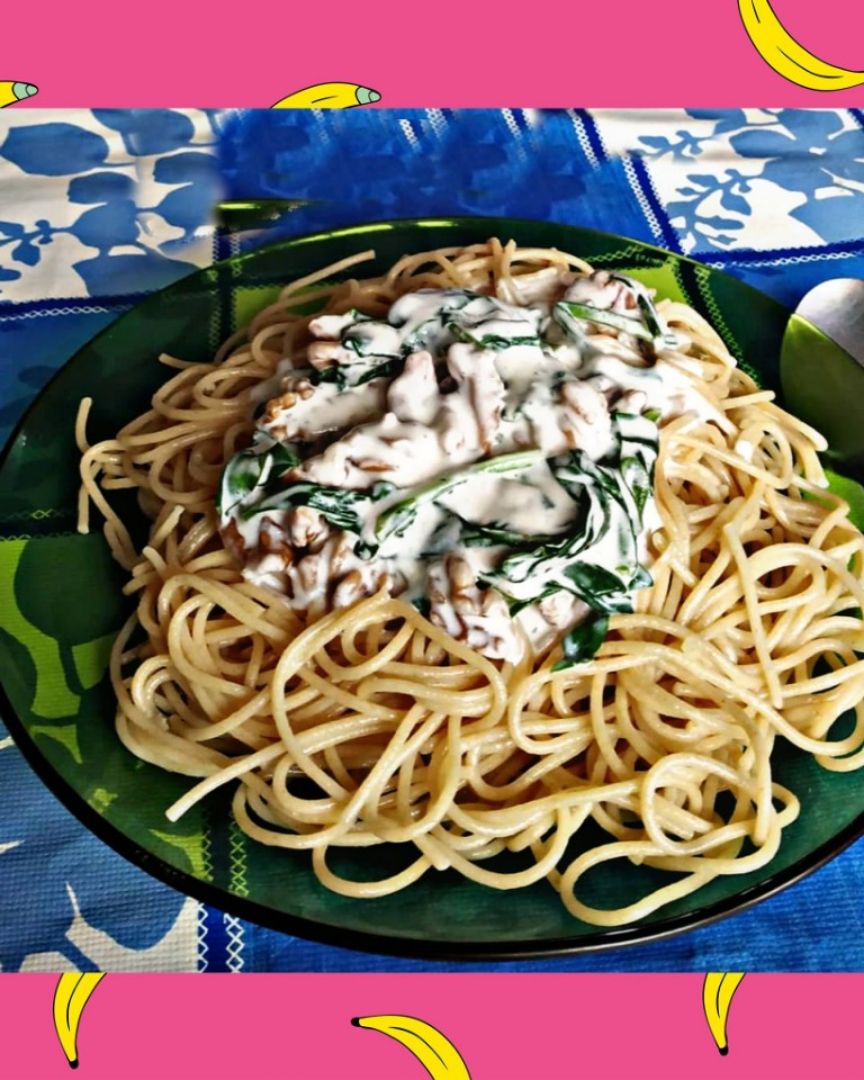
369 724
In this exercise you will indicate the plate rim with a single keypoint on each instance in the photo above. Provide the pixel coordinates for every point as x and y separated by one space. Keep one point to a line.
603 939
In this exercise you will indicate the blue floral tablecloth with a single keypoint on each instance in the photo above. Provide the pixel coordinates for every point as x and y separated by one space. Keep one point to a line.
99 207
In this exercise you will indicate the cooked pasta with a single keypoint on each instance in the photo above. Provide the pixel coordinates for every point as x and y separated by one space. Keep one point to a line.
420 709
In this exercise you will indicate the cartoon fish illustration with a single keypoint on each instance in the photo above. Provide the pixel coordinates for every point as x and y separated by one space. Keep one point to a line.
331 95
10 91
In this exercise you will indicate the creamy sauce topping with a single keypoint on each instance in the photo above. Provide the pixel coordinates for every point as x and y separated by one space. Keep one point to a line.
488 458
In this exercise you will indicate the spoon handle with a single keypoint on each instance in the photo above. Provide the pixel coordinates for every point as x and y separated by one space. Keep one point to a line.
249 213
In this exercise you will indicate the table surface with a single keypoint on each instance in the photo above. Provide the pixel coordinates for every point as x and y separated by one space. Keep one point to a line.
98 208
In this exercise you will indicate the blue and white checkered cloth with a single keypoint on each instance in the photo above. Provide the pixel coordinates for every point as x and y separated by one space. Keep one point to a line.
99 207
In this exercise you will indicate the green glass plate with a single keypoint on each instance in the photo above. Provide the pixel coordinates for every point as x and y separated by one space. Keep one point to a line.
61 604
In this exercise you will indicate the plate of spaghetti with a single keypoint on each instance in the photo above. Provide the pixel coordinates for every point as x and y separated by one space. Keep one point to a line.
449 588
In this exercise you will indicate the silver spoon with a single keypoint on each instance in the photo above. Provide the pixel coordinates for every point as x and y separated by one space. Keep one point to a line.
822 367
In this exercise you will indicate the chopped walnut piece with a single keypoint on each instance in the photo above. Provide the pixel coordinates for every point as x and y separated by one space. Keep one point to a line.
414 394
477 379
467 613
349 590
323 354
584 414
305 526
601 290
233 540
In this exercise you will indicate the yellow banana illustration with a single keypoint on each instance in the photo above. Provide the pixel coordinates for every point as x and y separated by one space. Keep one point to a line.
331 95
434 1051
71 994
717 991
789 59
10 91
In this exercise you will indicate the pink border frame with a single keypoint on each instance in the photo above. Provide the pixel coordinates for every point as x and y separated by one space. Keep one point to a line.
563 54
506 1027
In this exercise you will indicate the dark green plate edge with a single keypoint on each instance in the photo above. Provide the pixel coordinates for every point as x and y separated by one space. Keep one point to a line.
603 940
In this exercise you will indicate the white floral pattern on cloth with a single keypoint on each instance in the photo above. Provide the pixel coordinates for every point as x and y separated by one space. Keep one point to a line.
65 923
104 202
95 204
760 179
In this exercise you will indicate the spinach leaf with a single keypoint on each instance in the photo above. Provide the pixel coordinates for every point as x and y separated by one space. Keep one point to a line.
664 338
538 559
436 331
337 505
248 469
583 641
396 520
596 560
358 316
357 338
490 341
493 534
514 606
648 326
567 310
346 376
381 490
600 588
636 474
661 335
641 579
443 540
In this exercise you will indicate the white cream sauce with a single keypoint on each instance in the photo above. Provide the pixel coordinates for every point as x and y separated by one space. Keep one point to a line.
471 379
